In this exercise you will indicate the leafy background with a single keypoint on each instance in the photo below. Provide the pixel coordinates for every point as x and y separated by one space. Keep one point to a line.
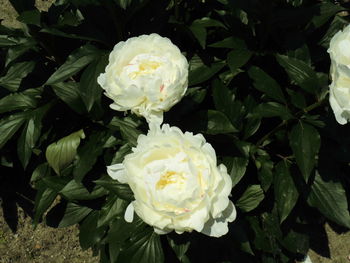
258 92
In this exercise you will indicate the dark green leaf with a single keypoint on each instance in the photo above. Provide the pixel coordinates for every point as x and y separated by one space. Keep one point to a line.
16 51
251 198
199 30
119 155
300 73
61 153
238 58
76 191
23 5
286 193
143 247
251 126
74 214
239 166
27 140
180 250
199 72
337 24
123 191
15 74
57 32
296 242
218 123
325 11
90 90
31 17
128 129
305 143
264 83
74 63
89 233
123 3
9 126
119 232
330 198
113 208
230 42
297 98
69 93
40 171
27 99
272 109
43 200
88 153
265 174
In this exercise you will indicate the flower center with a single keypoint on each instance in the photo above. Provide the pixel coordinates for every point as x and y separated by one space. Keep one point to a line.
167 178
143 64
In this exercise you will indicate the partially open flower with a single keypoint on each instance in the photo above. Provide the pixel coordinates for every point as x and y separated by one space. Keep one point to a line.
147 75
176 183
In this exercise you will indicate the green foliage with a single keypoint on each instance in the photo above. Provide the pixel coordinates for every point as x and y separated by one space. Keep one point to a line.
258 83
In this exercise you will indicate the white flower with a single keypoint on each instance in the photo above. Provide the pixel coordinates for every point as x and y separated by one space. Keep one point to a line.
339 98
147 75
176 183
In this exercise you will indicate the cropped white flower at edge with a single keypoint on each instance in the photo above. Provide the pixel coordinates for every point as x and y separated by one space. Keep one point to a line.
176 183
147 75
339 97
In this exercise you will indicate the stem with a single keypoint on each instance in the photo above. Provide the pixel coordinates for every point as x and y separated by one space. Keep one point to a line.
285 122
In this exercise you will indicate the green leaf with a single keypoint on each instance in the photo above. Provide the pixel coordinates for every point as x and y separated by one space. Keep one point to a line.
88 153
300 73
180 250
251 127
113 208
119 155
296 242
27 140
325 11
76 61
61 153
305 143
16 51
238 58
77 191
218 123
89 233
74 214
230 42
272 109
9 41
15 74
297 99
337 24
199 72
123 191
31 17
224 101
27 99
265 174
144 247
330 199
128 129
118 233
9 126
286 193
199 30
57 32
70 94
264 83
251 198
40 171
239 167
90 90
43 200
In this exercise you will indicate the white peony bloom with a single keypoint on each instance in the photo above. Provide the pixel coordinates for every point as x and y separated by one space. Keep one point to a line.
176 183
145 74
339 97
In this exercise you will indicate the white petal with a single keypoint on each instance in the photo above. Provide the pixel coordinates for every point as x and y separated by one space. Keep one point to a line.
129 213
117 172
161 231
